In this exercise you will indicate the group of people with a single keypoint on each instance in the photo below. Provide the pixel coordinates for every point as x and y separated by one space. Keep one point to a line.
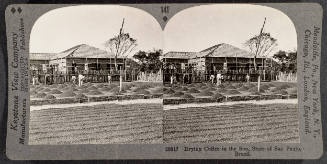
36 80
48 79
80 78
219 78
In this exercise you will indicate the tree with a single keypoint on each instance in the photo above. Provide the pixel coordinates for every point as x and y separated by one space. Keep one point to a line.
141 56
149 61
287 61
121 45
261 45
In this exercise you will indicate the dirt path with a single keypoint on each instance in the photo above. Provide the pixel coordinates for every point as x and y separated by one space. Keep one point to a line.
258 102
73 105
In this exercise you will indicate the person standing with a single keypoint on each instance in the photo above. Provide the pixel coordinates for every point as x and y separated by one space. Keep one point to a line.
212 78
247 78
34 80
80 79
74 79
109 78
218 79
46 79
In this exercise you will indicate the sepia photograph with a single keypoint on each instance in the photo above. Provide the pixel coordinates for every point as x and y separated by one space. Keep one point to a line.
164 81
215 74
230 76
95 76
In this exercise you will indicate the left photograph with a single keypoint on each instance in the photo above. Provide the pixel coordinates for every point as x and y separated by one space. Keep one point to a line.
95 77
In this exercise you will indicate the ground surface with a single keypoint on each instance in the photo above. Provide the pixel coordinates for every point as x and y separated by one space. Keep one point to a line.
149 123
211 90
235 123
62 91
100 124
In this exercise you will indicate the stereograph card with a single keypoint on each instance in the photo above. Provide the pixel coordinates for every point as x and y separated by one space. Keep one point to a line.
164 81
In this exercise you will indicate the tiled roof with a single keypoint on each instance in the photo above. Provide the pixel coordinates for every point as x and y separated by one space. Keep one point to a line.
178 55
219 50
83 51
226 50
41 56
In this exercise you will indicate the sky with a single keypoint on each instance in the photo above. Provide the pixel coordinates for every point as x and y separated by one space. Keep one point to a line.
192 29
63 28
198 28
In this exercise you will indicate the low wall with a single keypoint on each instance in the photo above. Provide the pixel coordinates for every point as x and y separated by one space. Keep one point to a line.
166 101
71 100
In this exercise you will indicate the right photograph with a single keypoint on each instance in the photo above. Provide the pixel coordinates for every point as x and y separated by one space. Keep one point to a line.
230 76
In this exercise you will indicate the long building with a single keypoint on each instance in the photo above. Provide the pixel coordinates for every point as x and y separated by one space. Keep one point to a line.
93 62
78 58
229 60
40 61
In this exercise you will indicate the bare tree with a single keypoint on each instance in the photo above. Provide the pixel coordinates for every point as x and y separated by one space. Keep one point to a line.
120 45
261 45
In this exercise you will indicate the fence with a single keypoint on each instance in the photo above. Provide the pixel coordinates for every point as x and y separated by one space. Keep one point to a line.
228 75
287 77
150 77
90 76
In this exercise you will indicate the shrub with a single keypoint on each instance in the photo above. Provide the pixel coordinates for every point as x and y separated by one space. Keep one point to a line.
156 90
40 95
61 86
95 92
178 94
50 97
255 89
256 93
283 86
271 85
274 89
205 93
105 89
193 90
100 85
55 91
292 91
238 85
230 87
244 88
84 91
145 92
33 92
92 88
187 96
222 90
184 89
283 92
217 95
53 86
264 87
232 92
67 94
169 91
81 96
